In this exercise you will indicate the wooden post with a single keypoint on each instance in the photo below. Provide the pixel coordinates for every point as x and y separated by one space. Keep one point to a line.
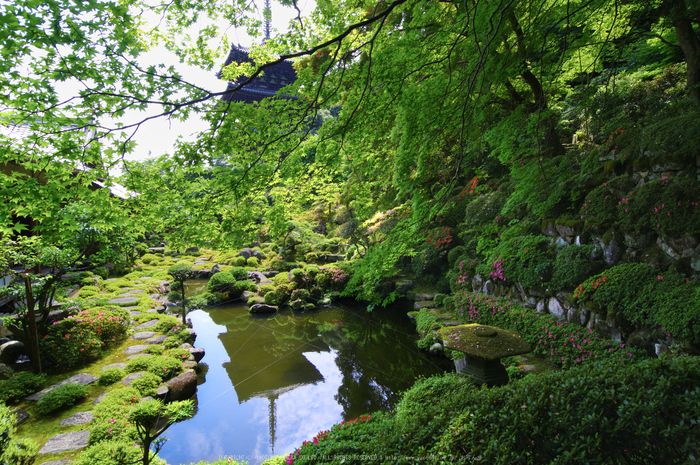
33 337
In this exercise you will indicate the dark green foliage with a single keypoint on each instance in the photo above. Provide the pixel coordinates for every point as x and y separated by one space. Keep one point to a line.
639 413
60 398
485 208
16 388
667 206
572 266
526 260
601 204
110 376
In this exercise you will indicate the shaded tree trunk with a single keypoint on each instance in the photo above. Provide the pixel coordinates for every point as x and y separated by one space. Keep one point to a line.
689 41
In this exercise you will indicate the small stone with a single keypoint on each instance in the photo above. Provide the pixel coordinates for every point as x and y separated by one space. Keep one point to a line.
21 416
198 354
144 335
148 324
138 355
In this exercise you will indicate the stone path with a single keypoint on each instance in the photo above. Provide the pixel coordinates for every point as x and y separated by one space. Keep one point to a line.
148 324
81 378
79 418
66 441
123 300
135 349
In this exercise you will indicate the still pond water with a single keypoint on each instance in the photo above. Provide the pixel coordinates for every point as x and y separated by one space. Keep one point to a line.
273 382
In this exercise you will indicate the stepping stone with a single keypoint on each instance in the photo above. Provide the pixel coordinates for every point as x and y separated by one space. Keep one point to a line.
130 378
156 340
134 313
148 324
65 442
111 279
123 300
135 349
138 355
57 462
99 398
79 418
21 416
144 335
80 378
120 365
134 291
425 296
423 304
154 296
153 310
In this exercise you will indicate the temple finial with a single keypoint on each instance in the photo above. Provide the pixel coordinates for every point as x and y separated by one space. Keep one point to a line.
267 14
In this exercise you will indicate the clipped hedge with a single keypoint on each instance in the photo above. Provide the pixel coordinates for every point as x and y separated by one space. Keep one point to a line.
604 413
60 398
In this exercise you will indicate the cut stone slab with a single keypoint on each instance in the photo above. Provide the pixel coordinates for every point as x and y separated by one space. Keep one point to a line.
157 340
79 418
57 462
423 304
138 355
128 379
135 349
21 416
134 291
123 300
120 365
148 324
65 442
134 312
144 335
80 378
425 295
99 398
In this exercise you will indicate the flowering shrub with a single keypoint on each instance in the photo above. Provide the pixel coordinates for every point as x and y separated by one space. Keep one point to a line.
635 293
563 344
314 448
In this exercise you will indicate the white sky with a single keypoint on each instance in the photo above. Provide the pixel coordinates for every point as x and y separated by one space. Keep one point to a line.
157 137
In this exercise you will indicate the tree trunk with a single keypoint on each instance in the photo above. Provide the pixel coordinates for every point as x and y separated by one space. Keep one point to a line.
689 42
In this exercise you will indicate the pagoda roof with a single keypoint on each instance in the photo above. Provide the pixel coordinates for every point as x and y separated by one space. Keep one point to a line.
272 80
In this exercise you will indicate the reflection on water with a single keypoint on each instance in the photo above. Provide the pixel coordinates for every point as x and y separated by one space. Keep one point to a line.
275 381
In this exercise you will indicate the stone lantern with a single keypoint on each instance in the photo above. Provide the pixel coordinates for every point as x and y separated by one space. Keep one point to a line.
483 346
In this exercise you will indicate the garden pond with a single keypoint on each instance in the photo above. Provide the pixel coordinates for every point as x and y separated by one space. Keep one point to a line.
270 382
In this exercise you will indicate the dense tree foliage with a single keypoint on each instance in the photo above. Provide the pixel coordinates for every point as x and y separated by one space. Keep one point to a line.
431 95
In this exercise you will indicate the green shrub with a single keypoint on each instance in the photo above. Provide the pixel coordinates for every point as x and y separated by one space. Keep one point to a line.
572 266
605 413
60 398
239 273
311 257
20 386
110 376
220 282
88 291
526 260
112 452
252 261
110 417
148 258
239 261
179 354
22 451
298 276
601 204
147 384
155 349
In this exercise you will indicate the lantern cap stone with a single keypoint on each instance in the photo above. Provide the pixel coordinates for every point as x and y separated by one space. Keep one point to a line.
487 342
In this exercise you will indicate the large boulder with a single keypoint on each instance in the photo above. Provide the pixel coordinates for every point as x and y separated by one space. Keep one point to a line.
10 351
198 353
182 387
247 253
263 308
